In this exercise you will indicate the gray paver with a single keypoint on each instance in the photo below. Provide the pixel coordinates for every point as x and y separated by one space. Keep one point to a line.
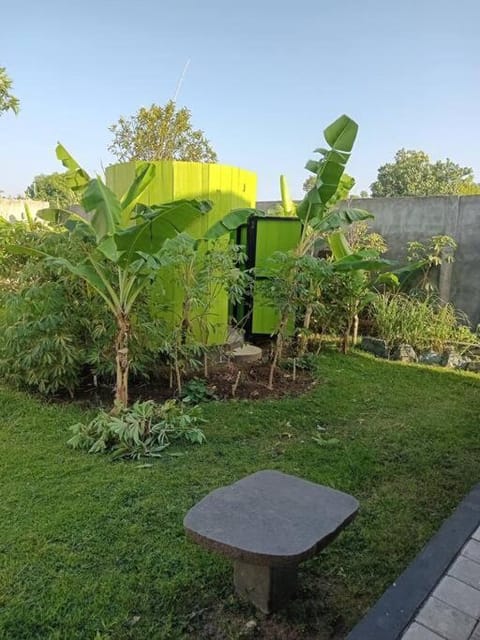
445 620
472 550
466 570
459 595
476 535
419 632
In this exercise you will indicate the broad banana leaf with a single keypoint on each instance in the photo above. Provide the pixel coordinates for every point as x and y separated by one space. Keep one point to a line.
160 223
338 218
231 222
340 135
106 207
77 178
363 261
145 173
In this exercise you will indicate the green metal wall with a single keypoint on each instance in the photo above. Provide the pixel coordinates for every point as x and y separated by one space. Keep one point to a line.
262 237
227 187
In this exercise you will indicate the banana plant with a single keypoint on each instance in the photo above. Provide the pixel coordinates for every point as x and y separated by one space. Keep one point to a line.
127 238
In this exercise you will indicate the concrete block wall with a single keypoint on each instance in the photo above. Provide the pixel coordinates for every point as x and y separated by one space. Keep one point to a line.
402 220
13 209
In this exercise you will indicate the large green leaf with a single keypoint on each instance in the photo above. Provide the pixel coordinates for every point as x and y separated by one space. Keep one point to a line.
161 223
26 251
339 245
341 134
231 222
105 206
145 173
339 218
77 178
363 261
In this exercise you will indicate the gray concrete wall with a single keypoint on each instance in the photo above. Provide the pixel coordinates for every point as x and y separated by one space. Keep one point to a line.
402 220
13 209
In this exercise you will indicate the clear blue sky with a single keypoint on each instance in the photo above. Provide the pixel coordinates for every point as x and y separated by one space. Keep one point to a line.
265 78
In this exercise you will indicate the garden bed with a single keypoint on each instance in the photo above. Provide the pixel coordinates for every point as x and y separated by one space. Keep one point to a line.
226 381
95 549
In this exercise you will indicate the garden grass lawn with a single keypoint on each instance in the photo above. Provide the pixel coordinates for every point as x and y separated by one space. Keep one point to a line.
91 549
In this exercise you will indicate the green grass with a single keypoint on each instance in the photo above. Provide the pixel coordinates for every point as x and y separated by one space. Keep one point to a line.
95 549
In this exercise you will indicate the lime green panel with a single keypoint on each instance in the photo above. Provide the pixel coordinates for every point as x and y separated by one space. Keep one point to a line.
227 187
275 235
271 235
119 177
265 318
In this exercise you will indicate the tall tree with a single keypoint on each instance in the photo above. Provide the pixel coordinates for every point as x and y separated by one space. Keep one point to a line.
160 133
8 102
412 174
54 188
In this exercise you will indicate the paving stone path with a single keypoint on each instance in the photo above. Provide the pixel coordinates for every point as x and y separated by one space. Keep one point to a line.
452 611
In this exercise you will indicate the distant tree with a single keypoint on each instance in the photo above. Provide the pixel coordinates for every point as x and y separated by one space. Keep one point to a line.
52 188
160 133
364 194
412 174
8 102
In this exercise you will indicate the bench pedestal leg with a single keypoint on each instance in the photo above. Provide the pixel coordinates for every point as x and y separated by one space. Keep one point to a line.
267 587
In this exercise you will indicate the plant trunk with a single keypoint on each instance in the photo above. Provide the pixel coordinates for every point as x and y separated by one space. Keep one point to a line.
123 364
306 327
178 375
355 329
346 336
205 364
278 350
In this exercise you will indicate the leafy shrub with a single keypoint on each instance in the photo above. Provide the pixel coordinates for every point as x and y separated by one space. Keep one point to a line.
144 430
196 391
55 332
429 255
422 323
359 236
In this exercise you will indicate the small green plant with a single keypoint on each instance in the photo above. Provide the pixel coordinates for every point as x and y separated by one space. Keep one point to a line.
201 271
307 362
428 255
196 391
423 323
144 430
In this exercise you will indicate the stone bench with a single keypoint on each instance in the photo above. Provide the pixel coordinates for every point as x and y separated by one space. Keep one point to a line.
268 523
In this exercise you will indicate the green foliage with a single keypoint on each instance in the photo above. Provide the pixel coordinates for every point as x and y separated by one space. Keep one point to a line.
344 295
144 430
201 271
8 102
125 237
55 332
160 133
290 283
412 174
196 391
424 258
53 188
359 237
422 323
